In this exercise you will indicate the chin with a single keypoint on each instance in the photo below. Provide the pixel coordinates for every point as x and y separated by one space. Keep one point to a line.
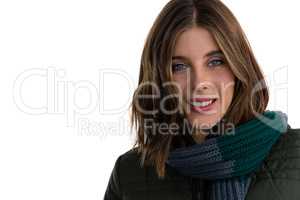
204 120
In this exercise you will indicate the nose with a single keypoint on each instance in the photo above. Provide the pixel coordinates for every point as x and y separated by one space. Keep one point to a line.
200 79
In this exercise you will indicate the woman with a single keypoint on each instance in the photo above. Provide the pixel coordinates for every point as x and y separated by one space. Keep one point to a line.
203 131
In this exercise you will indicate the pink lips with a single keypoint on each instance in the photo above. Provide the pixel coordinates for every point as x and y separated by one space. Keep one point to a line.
203 108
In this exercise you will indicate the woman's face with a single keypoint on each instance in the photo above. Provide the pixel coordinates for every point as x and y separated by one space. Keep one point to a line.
205 81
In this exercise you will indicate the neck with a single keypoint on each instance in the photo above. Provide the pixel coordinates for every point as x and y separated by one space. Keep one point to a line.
199 136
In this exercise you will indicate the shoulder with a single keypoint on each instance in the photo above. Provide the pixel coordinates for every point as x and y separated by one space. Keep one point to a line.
279 175
131 180
125 173
131 170
284 157
129 157
131 173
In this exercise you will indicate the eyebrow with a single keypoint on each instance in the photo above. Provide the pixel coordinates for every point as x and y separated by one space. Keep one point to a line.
211 53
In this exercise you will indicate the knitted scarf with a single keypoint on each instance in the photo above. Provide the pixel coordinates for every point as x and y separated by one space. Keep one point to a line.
227 161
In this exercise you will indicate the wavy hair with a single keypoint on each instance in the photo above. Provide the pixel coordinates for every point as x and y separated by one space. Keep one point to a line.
250 90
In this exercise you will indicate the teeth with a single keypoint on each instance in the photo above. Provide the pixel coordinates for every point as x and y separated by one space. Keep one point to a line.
201 104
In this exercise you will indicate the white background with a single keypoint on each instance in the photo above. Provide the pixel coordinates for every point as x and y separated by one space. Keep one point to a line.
57 144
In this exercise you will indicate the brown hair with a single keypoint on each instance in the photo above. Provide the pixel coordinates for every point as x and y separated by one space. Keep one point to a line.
250 92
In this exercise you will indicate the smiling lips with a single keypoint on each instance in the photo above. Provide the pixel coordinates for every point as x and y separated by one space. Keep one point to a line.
202 104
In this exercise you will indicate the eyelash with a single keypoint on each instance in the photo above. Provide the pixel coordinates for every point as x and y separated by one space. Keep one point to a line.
221 62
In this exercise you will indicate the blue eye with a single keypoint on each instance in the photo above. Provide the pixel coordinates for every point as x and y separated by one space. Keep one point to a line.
178 67
215 62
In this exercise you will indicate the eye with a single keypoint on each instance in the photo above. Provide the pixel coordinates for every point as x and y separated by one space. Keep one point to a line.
216 62
176 67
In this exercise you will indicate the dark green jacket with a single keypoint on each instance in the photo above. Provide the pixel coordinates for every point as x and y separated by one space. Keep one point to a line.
278 177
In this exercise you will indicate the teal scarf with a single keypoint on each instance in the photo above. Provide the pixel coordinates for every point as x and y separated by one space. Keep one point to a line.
226 161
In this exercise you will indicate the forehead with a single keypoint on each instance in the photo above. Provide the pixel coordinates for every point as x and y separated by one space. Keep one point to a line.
194 42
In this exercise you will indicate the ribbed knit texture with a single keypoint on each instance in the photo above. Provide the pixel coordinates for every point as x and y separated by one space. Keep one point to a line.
226 161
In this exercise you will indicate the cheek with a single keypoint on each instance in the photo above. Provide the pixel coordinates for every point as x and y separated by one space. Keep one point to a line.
226 88
180 83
